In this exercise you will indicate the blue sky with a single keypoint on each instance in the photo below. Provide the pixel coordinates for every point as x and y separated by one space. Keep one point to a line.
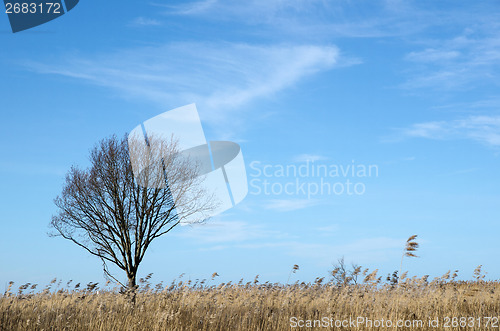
408 86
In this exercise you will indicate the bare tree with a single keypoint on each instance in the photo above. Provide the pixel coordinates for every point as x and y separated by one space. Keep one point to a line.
115 215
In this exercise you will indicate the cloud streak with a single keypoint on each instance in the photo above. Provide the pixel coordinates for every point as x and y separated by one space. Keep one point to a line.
309 158
470 60
144 21
380 249
218 76
483 129
285 205
320 18
219 231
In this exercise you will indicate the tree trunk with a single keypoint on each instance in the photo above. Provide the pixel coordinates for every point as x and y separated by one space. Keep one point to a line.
131 282
131 289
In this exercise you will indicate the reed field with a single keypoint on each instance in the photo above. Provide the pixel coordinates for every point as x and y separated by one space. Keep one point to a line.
354 300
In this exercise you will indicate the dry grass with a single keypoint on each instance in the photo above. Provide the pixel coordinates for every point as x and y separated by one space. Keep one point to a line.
250 306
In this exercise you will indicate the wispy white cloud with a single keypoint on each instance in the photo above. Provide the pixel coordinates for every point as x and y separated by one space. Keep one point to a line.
443 62
309 157
432 55
219 235
219 231
320 18
328 230
290 204
467 61
144 21
462 171
264 9
366 250
219 76
32 169
399 159
192 8
484 129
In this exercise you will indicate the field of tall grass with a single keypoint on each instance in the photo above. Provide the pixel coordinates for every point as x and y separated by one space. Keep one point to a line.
352 299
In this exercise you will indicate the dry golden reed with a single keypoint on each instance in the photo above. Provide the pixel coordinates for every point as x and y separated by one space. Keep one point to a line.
248 306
